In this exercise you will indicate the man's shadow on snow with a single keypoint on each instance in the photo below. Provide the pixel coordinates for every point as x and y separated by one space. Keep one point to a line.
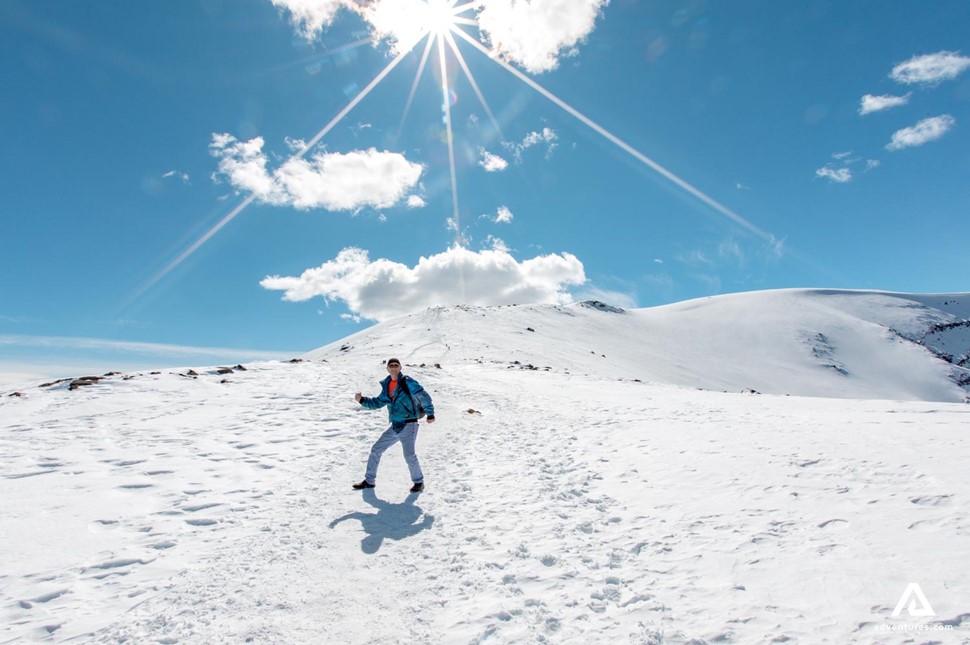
391 521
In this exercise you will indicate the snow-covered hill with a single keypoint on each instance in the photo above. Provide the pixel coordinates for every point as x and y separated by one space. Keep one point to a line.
564 505
847 344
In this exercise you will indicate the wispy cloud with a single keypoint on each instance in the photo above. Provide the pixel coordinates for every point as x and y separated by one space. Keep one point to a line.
334 181
131 347
837 175
546 136
491 162
931 69
310 17
496 243
775 249
923 132
871 103
33 358
694 258
184 176
415 201
840 171
381 289
730 250
503 215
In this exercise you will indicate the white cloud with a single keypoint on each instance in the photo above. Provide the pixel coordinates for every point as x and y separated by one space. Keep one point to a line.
871 103
841 155
491 162
534 34
381 289
295 145
839 176
872 163
414 201
333 181
931 68
310 17
503 215
537 33
547 136
496 243
398 22
184 176
923 132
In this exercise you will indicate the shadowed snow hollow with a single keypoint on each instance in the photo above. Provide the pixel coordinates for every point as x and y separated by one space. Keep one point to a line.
845 344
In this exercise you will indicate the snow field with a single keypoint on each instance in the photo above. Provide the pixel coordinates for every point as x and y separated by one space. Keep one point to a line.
569 508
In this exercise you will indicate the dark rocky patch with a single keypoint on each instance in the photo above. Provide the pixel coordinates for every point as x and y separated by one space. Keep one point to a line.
602 306
57 382
84 380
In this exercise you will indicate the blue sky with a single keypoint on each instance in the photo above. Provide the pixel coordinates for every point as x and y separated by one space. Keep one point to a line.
132 129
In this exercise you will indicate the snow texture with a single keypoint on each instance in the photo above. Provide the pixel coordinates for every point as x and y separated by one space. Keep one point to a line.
568 499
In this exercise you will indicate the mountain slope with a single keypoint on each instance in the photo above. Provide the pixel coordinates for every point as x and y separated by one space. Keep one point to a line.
560 508
846 344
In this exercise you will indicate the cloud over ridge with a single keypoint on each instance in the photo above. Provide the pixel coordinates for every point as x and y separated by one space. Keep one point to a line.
330 180
381 289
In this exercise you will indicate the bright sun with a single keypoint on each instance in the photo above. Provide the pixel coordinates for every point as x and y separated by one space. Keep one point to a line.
439 16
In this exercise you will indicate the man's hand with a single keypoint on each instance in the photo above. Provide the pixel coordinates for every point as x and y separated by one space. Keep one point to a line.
358 397
430 419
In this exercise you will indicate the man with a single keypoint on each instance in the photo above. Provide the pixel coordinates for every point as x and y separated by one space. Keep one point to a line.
404 398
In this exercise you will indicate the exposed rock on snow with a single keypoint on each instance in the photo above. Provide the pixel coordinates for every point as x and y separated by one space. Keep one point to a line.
601 306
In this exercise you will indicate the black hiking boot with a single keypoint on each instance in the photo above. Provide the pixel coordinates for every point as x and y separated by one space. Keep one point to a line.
417 488
362 485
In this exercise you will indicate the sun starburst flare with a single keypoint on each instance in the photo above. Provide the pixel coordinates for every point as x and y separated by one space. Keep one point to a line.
404 25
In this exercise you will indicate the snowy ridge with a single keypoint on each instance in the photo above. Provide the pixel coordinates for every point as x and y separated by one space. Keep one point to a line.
846 344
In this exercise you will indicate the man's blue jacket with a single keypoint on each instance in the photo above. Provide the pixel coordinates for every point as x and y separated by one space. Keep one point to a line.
401 407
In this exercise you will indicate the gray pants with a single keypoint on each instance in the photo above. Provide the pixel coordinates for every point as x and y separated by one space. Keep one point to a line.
408 437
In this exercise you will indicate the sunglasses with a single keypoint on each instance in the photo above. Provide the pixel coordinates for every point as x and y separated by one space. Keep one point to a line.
394 365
